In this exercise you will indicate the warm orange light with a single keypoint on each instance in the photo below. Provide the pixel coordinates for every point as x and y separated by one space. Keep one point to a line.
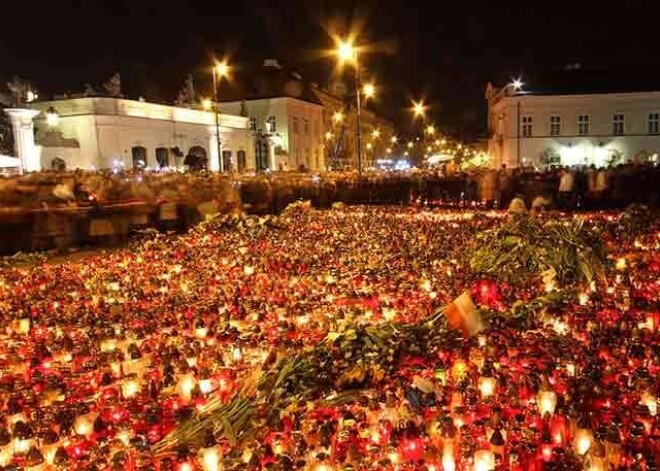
337 117
621 264
430 129
369 90
206 104
582 441
222 69
328 136
546 402
375 133
346 52
487 385
419 109
484 460
210 459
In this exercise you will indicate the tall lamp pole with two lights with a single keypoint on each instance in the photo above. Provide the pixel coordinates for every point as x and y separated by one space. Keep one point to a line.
220 70
346 52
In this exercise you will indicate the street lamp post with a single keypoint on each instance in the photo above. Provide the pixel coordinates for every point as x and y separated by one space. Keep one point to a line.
347 52
517 86
518 134
219 71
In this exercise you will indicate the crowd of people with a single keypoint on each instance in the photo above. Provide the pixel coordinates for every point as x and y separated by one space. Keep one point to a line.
55 209
561 187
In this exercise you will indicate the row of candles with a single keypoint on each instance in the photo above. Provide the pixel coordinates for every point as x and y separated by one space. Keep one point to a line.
72 396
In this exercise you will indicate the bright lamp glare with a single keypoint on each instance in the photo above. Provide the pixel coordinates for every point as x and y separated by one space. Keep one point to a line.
419 109
346 51
222 69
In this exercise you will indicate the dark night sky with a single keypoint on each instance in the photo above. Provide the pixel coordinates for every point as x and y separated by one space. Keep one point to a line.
445 51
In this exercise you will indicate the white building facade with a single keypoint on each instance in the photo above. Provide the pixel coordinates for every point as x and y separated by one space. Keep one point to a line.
600 129
104 132
291 128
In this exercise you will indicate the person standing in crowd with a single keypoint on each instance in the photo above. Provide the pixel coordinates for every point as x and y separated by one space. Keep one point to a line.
489 188
506 186
566 188
581 187
601 186
591 186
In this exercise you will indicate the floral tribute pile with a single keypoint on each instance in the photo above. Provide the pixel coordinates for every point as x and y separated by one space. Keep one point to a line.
318 340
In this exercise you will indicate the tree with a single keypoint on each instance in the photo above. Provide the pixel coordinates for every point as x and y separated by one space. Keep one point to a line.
6 135
615 157
550 157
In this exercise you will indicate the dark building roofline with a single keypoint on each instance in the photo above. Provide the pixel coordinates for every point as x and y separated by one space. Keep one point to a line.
574 80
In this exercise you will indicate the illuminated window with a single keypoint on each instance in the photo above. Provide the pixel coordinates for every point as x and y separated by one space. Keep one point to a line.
555 125
618 124
271 124
653 123
527 126
162 157
226 160
583 124
139 155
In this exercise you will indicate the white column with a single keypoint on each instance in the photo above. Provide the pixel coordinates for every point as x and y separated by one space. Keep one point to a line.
23 128
214 158
271 154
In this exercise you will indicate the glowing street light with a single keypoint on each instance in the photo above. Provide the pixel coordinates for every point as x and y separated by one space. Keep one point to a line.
419 109
410 145
393 139
517 84
388 150
52 117
430 129
220 70
369 90
346 52
337 117
369 146
328 136
207 104
375 133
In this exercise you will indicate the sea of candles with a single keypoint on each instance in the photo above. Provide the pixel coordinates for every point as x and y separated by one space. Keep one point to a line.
103 355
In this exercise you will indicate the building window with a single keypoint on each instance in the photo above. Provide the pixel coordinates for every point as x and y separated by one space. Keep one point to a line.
139 155
306 125
271 124
295 125
527 125
583 124
227 164
653 123
253 123
240 158
618 121
162 157
555 125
